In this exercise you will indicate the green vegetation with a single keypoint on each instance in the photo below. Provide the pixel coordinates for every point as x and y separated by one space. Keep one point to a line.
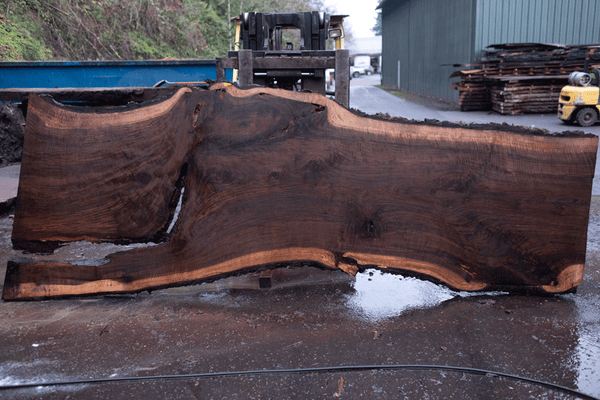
423 99
125 29
20 36
377 28
408 96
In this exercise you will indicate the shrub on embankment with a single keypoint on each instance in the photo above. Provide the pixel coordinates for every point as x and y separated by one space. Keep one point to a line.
40 30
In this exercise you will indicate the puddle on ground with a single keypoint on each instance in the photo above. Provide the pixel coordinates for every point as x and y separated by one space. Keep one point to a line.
381 295
588 354
17 373
587 351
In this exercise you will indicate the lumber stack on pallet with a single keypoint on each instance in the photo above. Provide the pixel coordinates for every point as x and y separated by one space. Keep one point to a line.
497 79
227 180
517 95
473 89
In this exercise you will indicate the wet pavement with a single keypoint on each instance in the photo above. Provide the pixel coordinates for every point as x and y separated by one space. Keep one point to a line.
309 319
367 97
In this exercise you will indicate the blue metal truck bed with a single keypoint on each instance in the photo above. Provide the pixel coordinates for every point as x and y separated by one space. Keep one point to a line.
103 74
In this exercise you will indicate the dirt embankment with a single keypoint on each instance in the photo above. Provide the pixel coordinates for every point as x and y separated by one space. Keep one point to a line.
12 127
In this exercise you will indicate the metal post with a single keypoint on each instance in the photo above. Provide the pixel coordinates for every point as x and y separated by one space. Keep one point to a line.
245 66
342 77
220 70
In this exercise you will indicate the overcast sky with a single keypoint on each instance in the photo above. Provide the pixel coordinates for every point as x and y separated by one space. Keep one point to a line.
362 15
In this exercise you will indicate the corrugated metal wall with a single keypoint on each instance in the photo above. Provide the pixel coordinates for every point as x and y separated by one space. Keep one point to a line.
536 21
423 35
395 44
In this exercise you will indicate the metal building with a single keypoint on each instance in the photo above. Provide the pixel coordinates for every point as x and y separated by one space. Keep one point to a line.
421 37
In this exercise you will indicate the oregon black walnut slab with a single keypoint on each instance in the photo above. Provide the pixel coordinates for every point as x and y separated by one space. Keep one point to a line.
275 177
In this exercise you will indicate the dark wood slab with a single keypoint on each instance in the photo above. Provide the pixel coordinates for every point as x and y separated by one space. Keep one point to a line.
274 177
99 96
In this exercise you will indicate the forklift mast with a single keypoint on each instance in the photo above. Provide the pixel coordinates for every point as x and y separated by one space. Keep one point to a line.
263 31
266 60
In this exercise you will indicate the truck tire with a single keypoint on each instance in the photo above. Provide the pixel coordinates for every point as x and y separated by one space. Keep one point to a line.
356 74
587 117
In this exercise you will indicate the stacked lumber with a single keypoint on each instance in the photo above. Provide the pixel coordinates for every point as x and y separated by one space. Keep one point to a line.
473 90
496 80
517 95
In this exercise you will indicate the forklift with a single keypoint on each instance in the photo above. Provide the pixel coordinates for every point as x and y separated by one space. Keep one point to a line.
580 100
267 59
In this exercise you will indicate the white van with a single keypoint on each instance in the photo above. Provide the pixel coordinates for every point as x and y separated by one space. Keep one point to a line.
362 66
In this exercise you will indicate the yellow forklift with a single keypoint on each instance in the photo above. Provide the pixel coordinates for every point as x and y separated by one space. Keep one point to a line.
580 100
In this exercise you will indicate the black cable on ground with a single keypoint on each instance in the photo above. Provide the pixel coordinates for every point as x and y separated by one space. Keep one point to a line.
341 368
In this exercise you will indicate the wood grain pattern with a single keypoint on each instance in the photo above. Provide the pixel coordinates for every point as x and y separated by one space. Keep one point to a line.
275 177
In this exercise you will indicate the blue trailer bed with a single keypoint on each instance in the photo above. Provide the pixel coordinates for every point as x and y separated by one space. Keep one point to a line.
104 74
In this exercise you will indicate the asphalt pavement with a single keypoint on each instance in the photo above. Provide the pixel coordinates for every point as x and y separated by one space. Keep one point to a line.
370 99
315 334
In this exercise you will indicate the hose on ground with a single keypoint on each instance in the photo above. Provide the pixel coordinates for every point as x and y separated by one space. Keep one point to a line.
331 369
